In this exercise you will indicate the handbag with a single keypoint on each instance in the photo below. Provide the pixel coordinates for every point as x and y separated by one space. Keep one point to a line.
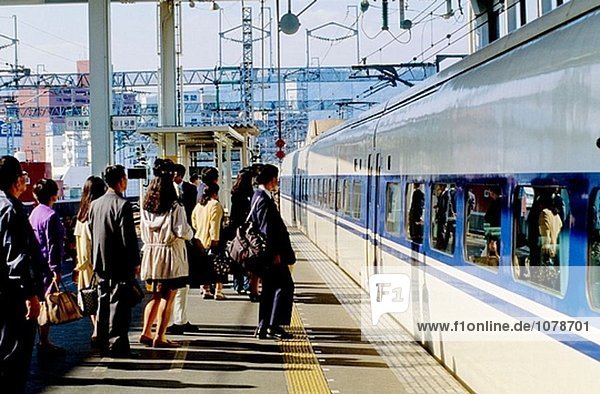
249 246
221 263
59 306
87 298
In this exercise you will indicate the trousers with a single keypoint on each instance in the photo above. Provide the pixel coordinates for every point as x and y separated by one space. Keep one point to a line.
277 297
179 316
114 315
16 345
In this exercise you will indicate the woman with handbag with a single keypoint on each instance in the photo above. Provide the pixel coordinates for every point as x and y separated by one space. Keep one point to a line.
164 229
49 232
206 220
83 273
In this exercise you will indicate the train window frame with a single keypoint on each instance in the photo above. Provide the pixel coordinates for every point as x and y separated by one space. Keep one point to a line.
338 194
331 195
347 198
409 195
593 215
435 232
476 197
523 273
393 208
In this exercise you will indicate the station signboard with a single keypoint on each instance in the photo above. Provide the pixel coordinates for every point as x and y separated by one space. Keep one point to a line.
77 123
17 129
124 123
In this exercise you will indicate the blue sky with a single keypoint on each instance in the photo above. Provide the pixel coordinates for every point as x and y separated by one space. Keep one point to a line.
55 36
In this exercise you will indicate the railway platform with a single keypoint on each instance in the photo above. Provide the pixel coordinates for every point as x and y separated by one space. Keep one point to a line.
327 355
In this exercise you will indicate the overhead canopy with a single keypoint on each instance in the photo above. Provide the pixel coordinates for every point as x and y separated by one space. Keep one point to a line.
205 136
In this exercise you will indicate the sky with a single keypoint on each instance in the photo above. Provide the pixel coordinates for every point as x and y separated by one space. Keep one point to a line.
54 37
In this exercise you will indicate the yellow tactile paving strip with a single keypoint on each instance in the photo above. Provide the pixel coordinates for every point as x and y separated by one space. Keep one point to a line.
302 369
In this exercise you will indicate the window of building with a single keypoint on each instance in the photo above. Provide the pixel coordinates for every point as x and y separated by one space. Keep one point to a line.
541 236
414 212
392 207
443 217
483 208
356 199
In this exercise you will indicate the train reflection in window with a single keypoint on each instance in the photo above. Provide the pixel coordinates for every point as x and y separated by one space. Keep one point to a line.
483 207
414 209
542 236
346 197
443 217
392 208
594 250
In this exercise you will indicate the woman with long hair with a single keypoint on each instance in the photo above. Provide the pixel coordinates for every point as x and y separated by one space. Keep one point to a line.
206 220
50 234
93 188
241 194
164 229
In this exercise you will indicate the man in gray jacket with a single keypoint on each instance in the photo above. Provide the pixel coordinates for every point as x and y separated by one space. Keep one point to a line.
21 285
116 262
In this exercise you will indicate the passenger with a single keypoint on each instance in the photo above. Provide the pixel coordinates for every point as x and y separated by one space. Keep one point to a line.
241 195
533 228
21 285
206 220
116 262
195 180
93 189
208 176
415 214
550 225
493 214
559 204
471 203
50 234
164 229
187 196
277 295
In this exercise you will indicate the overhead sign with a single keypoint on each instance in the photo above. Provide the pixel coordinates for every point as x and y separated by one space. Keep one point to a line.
124 123
77 123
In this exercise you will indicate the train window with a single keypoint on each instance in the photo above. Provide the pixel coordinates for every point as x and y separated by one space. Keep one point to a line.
356 198
338 195
414 211
346 193
392 208
389 163
594 250
483 207
443 217
331 204
542 236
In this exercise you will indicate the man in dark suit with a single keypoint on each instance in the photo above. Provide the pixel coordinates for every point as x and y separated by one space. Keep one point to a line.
116 261
187 196
277 295
21 274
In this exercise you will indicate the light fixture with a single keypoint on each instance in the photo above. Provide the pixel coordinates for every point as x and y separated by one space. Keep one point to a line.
289 23
214 6
192 4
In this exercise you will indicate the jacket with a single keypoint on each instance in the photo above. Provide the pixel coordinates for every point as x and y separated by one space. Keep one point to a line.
21 268
115 252
164 252
267 219
206 220
50 234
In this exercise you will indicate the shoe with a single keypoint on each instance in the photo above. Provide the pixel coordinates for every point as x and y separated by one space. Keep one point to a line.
176 329
165 345
208 295
189 327
144 340
254 297
260 333
220 296
279 333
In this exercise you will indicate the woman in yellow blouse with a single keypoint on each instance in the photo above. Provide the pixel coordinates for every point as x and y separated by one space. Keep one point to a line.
93 188
206 221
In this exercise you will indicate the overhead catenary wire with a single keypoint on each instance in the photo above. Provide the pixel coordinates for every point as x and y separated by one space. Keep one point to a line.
52 34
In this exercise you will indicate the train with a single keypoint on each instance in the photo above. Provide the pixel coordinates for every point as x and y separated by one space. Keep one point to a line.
452 180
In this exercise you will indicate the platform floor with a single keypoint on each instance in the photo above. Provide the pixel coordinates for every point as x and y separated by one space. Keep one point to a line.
328 354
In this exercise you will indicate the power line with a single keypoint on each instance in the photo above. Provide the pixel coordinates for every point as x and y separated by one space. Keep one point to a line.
52 34
47 52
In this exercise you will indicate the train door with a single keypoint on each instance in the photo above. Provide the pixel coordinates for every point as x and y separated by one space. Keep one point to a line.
372 210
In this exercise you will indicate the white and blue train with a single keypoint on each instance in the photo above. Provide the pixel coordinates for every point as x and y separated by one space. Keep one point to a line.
493 143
